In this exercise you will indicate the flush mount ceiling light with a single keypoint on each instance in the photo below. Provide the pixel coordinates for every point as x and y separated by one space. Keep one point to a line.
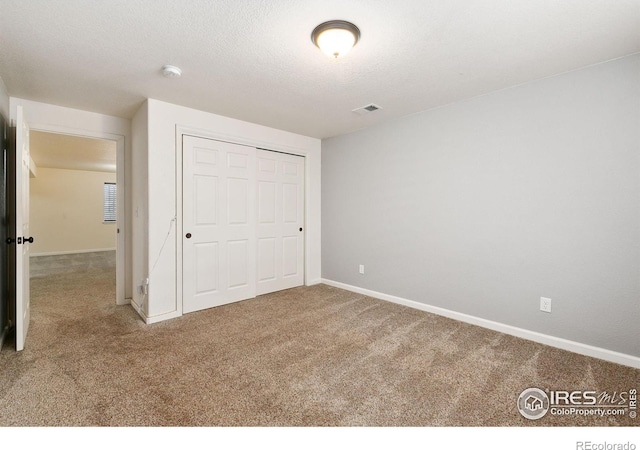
336 37
171 71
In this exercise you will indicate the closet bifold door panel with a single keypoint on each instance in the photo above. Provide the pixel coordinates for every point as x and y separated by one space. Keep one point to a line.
219 223
280 228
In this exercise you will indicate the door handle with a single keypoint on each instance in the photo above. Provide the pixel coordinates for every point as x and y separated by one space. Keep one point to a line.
29 240
188 236
10 240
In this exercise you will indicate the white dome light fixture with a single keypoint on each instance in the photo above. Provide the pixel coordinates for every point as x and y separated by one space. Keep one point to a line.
171 71
335 37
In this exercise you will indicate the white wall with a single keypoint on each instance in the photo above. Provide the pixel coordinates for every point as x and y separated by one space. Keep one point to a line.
66 212
59 119
4 100
165 123
483 206
139 209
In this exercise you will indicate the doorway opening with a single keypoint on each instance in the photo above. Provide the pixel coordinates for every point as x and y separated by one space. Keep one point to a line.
73 207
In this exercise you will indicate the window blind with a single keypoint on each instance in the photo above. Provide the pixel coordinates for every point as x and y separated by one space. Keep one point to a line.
109 205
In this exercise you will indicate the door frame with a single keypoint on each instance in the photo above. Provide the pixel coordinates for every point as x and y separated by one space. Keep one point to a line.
181 131
120 195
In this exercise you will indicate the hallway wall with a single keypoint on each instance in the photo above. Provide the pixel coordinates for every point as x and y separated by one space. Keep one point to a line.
66 212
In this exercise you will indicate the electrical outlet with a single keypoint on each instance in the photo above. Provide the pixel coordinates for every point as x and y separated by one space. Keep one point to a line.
362 269
545 304
144 287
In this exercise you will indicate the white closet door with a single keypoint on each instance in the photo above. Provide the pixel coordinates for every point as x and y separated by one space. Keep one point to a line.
280 255
219 225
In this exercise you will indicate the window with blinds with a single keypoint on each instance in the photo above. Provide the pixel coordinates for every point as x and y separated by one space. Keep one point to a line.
109 205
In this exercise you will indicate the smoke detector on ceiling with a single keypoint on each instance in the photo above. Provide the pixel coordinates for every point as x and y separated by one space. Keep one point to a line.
371 107
171 71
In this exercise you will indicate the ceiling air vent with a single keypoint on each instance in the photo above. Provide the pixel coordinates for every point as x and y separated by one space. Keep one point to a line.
367 109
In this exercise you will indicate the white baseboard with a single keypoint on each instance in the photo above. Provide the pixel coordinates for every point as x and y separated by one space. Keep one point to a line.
162 317
72 252
314 282
564 344
153 319
138 309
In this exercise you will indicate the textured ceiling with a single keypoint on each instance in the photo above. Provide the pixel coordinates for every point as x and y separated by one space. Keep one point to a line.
61 151
254 60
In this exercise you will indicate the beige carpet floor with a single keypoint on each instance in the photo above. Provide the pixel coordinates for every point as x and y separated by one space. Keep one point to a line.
312 356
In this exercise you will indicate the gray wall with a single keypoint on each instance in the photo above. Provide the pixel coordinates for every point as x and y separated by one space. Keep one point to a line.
484 206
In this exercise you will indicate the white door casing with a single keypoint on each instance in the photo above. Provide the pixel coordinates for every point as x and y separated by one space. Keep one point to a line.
23 304
280 221
219 204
